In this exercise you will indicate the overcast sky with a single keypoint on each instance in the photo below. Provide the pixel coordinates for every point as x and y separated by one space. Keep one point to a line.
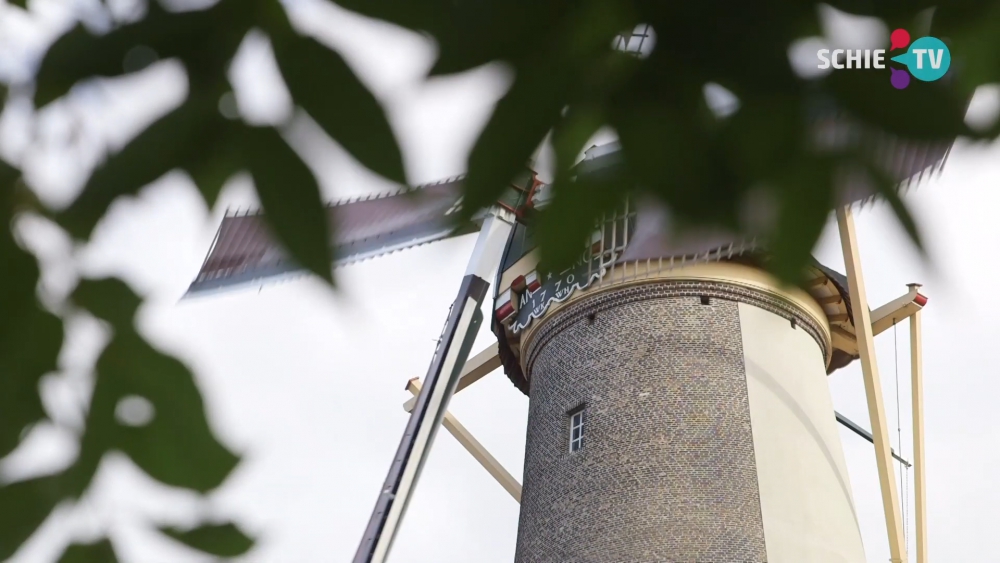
308 384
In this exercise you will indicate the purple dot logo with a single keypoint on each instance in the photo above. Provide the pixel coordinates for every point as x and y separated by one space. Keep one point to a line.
900 78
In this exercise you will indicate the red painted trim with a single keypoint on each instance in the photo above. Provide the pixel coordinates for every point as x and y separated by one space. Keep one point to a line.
518 284
535 183
505 311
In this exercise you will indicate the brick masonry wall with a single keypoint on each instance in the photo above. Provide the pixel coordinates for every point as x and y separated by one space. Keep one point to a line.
667 472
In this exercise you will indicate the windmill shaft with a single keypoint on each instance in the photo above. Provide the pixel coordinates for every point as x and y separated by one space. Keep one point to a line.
432 403
439 385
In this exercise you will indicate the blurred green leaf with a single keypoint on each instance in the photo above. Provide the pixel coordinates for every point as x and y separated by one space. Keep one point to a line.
30 337
177 447
564 227
24 505
213 158
290 197
570 136
676 154
764 135
741 45
805 197
29 348
521 120
923 111
98 552
479 32
470 34
109 299
187 136
425 15
204 39
974 43
887 189
322 83
572 53
223 540
881 8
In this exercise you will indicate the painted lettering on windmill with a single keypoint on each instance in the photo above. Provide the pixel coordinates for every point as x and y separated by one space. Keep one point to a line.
556 288
530 298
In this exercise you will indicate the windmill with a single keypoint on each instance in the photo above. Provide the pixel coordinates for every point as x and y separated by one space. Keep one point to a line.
678 408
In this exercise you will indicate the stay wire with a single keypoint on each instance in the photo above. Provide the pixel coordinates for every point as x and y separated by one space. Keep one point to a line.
904 472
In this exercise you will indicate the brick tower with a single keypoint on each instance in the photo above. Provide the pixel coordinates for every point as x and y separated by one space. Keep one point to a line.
684 416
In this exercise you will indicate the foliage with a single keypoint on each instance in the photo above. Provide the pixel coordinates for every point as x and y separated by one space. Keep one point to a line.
568 83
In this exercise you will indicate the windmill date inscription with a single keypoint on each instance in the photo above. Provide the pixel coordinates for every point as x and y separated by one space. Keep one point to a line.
556 287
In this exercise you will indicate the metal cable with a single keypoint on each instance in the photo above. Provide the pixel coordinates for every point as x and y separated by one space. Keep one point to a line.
903 471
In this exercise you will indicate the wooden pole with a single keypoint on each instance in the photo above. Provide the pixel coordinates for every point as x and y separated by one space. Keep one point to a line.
919 477
475 369
873 386
464 437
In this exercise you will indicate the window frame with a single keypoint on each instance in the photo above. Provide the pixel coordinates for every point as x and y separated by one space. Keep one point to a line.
577 422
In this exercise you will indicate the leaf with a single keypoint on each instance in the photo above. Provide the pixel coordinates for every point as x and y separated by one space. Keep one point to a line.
743 46
29 348
30 337
892 10
223 540
669 151
805 194
204 39
290 197
426 15
98 552
888 190
470 34
186 136
177 447
764 135
922 111
572 66
213 159
565 225
974 43
521 120
24 505
572 133
322 83
109 299
474 33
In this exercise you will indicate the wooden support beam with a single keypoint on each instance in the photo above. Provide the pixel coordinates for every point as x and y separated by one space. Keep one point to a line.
490 463
873 385
475 369
830 299
897 310
844 340
919 476
822 280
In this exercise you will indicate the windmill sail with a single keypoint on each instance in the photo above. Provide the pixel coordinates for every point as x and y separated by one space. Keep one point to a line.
245 252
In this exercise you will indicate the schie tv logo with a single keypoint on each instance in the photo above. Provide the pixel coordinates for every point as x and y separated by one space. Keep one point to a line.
927 59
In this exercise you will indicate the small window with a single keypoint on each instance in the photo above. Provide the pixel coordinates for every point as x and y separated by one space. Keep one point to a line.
576 424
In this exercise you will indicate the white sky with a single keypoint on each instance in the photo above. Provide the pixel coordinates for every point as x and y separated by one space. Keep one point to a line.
308 384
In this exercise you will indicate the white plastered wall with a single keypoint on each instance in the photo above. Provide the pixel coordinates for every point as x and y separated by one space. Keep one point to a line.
805 495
